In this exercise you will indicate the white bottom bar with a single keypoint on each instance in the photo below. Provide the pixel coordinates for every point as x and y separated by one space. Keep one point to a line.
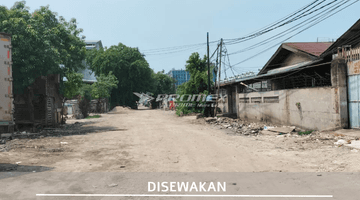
182 195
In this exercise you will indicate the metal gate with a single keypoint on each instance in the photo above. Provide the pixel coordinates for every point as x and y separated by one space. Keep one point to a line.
354 93
352 59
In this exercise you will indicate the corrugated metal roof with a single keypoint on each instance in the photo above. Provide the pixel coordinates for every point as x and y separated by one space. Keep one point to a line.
290 67
92 41
314 48
273 72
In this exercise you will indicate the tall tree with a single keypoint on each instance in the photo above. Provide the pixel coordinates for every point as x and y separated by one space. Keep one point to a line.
102 88
73 84
130 68
164 84
41 42
197 83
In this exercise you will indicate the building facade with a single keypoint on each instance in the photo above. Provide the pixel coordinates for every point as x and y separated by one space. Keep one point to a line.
181 76
41 103
89 76
309 85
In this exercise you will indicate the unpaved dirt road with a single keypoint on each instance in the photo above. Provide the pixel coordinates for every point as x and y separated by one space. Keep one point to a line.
121 152
159 141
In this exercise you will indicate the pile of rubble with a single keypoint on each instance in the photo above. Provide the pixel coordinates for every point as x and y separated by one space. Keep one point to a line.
242 127
237 125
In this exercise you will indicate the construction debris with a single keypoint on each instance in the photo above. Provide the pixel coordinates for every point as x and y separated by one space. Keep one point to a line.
239 126
340 142
295 138
282 130
354 144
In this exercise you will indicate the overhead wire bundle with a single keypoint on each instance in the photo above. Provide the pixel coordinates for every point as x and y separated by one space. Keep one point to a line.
310 22
325 11
309 15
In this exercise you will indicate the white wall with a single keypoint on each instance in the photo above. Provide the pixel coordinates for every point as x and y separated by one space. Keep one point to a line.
318 110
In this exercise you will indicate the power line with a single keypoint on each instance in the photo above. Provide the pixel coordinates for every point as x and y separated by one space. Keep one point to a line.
303 14
297 32
177 49
283 33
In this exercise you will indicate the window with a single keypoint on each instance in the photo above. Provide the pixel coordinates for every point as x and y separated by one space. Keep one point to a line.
244 100
274 99
255 99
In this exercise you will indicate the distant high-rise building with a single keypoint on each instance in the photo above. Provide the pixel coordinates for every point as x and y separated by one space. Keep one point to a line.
89 76
180 76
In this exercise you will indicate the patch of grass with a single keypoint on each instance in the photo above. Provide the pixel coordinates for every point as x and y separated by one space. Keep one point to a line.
305 133
95 116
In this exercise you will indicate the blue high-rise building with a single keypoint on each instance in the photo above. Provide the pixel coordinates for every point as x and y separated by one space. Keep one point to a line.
180 76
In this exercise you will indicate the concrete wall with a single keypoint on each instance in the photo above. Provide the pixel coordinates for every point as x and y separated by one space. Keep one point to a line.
310 108
223 104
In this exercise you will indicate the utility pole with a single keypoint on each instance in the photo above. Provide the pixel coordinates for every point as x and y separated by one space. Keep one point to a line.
216 79
219 70
208 62
208 105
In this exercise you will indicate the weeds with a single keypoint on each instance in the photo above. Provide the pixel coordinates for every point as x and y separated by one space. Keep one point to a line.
305 133
95 116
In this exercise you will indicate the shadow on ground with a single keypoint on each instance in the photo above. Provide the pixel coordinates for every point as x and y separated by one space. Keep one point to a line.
13 170
77 128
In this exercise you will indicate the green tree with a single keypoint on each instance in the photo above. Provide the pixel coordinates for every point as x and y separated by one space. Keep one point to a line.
130 68
84 99
197 84
163 84
73 84
102 88
41 42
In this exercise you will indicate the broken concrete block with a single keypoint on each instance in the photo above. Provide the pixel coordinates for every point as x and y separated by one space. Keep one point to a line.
210 119
266 132
340 142
226 125
354 144
282 129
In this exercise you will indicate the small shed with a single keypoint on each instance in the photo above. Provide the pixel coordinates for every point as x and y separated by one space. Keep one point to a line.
40 104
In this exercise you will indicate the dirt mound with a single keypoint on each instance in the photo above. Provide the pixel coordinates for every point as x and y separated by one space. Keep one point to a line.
119 109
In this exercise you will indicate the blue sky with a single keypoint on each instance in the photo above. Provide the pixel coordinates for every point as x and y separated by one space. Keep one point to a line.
154 24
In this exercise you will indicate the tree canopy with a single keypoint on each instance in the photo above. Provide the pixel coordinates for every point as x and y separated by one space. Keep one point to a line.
197 84
102 88
41 42
130 68
73 84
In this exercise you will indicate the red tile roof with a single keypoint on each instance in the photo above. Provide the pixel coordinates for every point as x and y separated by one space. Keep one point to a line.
314 48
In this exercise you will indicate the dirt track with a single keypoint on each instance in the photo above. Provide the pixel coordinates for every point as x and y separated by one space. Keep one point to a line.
159 141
